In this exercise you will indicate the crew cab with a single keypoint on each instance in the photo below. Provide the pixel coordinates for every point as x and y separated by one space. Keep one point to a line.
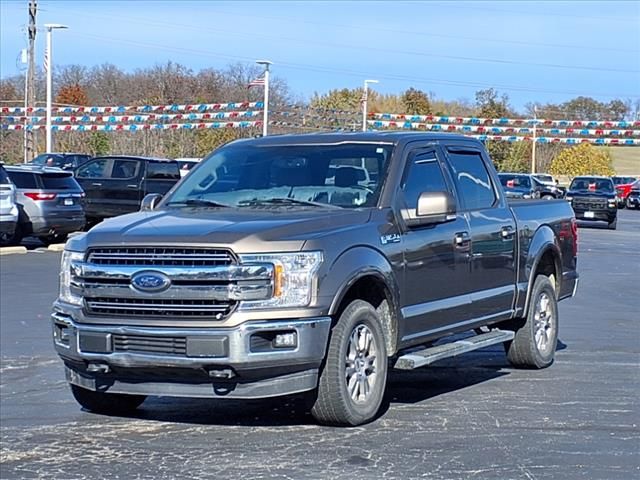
272 270
593 198
115 185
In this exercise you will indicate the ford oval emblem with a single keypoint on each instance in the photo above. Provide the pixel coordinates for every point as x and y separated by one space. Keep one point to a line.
150 281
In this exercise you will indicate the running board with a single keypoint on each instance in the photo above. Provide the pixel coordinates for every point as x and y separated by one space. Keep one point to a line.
429 355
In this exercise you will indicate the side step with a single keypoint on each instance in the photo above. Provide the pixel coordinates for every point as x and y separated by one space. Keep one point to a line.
429 355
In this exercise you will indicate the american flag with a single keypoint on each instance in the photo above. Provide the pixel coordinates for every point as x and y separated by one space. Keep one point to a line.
46 60
256 83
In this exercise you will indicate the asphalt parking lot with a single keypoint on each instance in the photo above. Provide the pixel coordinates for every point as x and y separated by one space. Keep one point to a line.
470 417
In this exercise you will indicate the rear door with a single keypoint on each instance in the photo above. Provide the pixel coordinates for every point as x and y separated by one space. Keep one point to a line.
160 177
492 278
436 268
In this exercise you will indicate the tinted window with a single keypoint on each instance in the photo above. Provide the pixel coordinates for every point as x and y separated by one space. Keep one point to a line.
125 169
515 181
425 175
187 165
472 177
48 159
96 169
163 170
59 182
3 176
23 179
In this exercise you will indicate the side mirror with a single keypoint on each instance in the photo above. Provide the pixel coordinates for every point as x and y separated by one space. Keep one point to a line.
150 201
433 207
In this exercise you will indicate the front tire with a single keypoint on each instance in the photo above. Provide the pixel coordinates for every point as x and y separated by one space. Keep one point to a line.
534 344
106 403
352 382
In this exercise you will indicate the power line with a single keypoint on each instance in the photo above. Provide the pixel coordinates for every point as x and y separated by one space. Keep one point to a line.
315 68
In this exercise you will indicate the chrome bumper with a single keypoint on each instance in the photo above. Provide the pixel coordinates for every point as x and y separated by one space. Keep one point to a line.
95 358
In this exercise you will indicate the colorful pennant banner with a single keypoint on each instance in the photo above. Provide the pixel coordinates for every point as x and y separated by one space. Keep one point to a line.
135 127
135 118
198 107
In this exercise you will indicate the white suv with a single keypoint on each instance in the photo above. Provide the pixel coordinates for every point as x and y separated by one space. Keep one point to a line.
8 208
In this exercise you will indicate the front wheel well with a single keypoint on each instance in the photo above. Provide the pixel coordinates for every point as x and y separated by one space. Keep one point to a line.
374 291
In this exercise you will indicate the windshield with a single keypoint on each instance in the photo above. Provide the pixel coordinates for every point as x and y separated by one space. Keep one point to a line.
245 175
545 178
622 180
49 160
515 181
592 184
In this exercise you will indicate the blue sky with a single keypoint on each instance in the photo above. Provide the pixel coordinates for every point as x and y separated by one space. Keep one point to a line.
533 51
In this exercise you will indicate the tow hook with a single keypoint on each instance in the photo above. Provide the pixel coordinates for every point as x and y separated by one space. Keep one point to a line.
98 368
225 373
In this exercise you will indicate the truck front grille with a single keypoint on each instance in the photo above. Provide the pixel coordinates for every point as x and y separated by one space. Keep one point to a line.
160 256
147 307
589 203
150 344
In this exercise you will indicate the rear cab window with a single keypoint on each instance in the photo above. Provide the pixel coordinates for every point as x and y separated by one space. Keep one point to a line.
163 171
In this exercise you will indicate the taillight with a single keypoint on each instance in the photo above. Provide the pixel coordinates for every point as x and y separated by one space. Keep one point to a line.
40 196
574 231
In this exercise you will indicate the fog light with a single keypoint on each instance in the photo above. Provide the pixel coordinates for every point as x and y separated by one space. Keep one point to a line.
61 335
286 340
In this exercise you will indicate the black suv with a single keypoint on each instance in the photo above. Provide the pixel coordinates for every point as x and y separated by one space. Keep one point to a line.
115 185
594 198
65 161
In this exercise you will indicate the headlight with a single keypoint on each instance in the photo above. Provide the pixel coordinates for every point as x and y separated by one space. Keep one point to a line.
568 198
613 203
294 279
66 276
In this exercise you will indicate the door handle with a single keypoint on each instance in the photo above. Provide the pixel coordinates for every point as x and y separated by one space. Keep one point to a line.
96 184
462 240
507 232
132 186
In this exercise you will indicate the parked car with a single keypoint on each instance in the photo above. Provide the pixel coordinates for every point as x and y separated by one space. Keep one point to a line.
65 161
8 208
551 186
50 203
593 198
277 281
633 199
520 185
186 164
623 188
116 185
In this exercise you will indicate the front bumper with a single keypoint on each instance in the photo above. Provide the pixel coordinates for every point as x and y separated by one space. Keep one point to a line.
596 215
233 362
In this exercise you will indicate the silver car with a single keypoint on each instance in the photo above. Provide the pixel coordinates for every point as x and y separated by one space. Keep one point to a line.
50 201
8 208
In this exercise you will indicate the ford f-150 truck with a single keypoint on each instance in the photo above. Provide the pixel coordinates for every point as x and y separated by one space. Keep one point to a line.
275 267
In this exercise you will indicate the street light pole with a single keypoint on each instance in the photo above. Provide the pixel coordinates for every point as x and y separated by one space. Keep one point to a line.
48 65
365 98
265 121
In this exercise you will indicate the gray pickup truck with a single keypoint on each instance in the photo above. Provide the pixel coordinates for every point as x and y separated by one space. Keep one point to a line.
312 263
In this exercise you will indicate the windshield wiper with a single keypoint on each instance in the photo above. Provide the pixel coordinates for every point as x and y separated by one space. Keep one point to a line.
285 201
197 202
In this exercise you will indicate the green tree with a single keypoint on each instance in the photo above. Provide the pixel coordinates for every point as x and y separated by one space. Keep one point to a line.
492 105
210 139
340 99
518 158
416 102
98 143
582 159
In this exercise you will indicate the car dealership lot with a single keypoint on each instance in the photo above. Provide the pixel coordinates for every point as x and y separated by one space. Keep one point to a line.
469 417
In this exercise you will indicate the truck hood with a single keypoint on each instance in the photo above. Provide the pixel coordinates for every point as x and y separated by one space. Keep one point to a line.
245 230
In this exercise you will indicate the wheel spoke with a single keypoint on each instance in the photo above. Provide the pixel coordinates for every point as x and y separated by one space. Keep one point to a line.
352 387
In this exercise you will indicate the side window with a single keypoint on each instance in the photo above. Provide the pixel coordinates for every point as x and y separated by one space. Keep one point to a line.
124 169
23 179
95 169
163 170
473 180
424 175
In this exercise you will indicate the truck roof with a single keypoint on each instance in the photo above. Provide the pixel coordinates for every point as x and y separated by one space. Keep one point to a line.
392 137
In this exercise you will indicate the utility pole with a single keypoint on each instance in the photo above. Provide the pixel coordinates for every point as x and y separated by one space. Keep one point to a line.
31 76
533 147
365 99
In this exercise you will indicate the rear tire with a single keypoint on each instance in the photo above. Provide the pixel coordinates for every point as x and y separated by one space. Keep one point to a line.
613 225
534 344
106 403
59 238
353 379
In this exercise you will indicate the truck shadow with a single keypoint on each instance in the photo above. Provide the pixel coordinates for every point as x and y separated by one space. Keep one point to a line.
403 387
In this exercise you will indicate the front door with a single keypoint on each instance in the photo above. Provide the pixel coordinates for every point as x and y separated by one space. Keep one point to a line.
435 292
